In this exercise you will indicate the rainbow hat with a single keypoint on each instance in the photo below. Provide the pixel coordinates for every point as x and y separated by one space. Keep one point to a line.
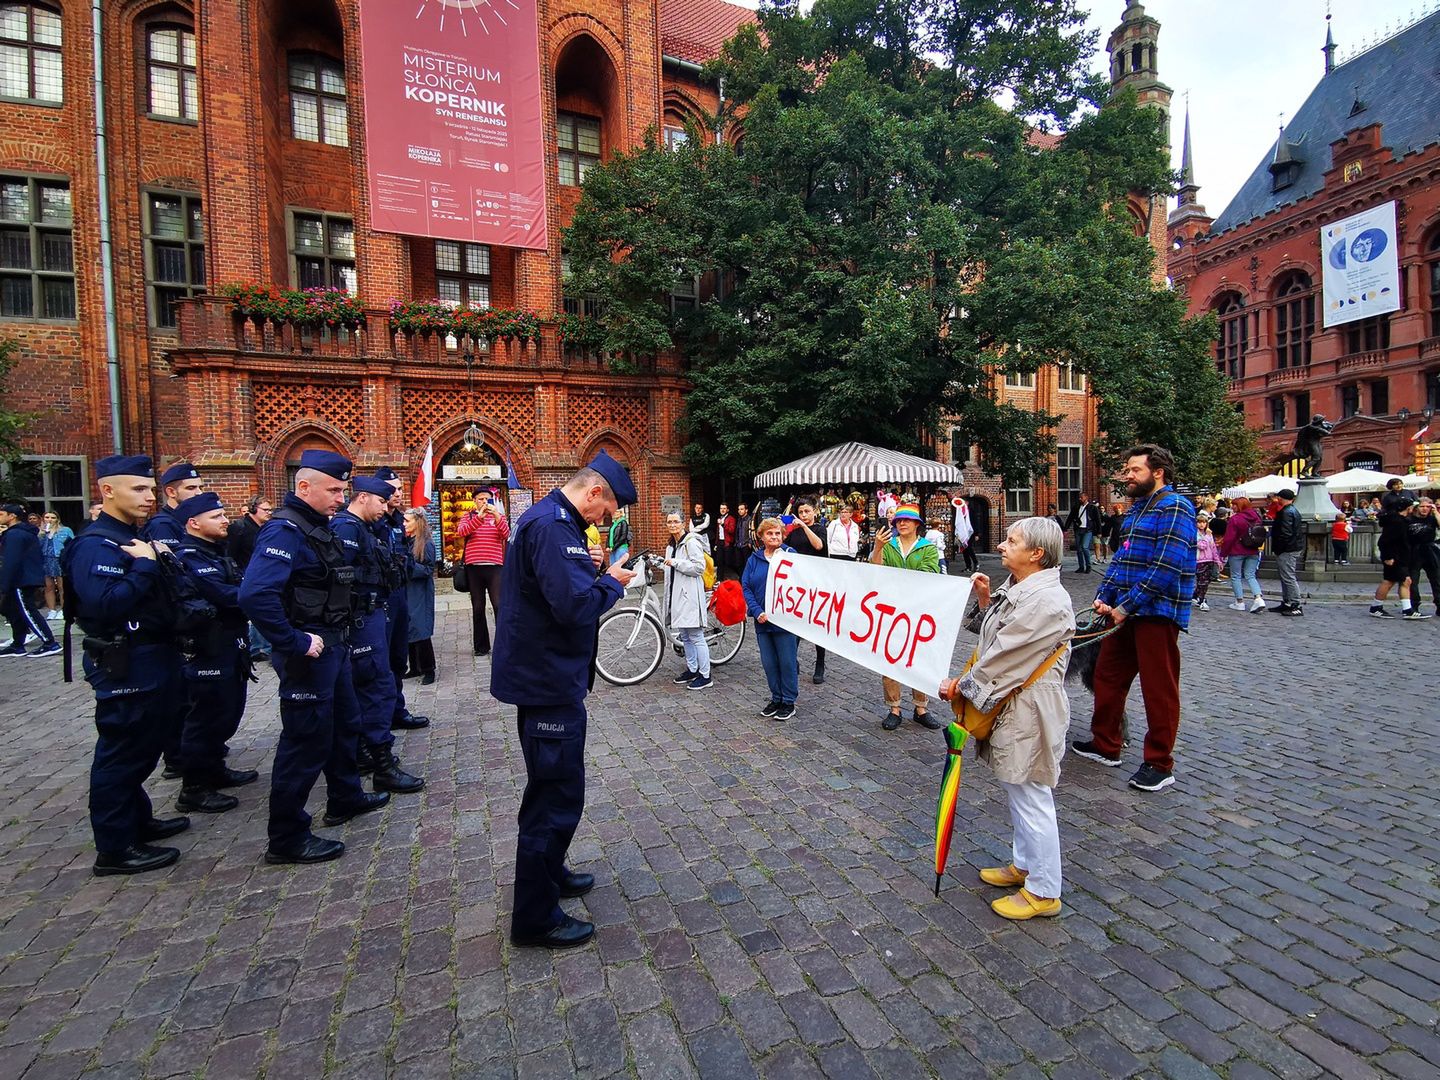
906 512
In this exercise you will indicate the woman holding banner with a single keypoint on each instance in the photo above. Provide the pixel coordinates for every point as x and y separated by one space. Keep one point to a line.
906 550
1018 676
778 648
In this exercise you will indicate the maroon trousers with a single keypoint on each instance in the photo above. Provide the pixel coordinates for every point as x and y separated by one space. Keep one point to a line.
1148 647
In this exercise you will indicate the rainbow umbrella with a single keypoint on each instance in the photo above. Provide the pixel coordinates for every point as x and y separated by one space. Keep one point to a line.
955 739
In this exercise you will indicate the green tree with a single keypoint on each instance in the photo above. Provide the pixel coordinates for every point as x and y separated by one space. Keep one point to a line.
12 427
890 236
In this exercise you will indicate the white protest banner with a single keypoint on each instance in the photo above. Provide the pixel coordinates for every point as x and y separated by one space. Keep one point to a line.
1361 274
897 623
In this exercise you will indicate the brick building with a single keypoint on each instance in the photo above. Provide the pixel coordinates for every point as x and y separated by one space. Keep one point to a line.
1133 48
1367 134
234 147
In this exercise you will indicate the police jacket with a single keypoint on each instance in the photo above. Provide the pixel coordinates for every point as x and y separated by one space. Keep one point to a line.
545 634
291 586
165 527
363 552
21 563
218 579
392 552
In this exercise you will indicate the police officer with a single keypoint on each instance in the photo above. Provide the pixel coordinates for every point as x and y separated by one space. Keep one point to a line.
374 685
390 531
297 590
217 662
131 663
544 661
179 482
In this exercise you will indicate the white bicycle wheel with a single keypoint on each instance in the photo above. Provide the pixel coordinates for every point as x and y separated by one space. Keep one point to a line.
631 644
724 641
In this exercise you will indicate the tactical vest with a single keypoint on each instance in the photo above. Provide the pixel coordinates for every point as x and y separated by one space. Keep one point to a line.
370 580
318 595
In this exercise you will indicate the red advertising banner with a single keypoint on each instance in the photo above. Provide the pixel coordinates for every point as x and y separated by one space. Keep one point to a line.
453 124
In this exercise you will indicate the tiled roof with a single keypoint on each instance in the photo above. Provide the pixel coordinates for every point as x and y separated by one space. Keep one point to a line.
694 30
1399 83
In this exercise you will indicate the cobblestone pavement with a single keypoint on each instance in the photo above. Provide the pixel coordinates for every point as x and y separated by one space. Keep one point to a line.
764 897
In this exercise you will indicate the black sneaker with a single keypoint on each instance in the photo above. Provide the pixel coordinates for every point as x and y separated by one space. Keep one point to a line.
1380 613
1415 615
770 710
700 682
1292 611
1087 750
785 712
684 677
1149 778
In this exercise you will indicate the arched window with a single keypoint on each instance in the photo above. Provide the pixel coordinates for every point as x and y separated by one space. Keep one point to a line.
1234 340
31 68
170 64
318 105
1432 276
1294 320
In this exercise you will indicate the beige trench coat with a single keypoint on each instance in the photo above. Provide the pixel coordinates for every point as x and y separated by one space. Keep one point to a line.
1019 629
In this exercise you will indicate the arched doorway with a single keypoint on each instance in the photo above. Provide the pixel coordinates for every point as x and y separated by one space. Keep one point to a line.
980 522
466 475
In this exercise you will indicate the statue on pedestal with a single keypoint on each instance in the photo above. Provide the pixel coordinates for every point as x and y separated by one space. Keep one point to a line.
1309 444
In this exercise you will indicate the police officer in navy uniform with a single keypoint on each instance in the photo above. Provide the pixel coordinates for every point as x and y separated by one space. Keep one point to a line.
179 482
297 590
544 663
390 532
131 662
374 685
216 662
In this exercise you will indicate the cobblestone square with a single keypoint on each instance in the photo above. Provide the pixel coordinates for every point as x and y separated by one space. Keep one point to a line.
764 896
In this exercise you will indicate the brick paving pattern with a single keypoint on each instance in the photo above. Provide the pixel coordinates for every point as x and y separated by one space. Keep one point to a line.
764 901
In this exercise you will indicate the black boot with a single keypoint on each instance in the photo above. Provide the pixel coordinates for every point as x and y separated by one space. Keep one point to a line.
364 760
388 775
134 860
199 799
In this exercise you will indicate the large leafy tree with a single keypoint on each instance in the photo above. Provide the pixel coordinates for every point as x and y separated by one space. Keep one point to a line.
889 236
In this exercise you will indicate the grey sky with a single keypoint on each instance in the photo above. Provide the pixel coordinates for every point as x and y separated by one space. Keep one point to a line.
1245 63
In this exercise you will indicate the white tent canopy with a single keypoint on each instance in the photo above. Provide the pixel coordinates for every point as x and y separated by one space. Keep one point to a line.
1263 487
859 464
1358 481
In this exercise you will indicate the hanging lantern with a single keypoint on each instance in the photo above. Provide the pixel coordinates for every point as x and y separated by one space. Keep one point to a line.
474 437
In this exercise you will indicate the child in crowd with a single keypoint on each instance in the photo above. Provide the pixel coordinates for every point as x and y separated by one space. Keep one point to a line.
1207 560
1340 538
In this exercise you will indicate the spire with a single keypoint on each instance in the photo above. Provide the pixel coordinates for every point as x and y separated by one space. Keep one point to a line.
1329 49
1187 164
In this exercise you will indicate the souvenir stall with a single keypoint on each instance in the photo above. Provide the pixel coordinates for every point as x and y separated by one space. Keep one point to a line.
466 477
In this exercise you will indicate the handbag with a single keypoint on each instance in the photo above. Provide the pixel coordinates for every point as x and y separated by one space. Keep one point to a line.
461 580
980 723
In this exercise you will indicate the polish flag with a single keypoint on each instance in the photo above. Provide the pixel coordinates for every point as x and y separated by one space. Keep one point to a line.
424 479
1420 434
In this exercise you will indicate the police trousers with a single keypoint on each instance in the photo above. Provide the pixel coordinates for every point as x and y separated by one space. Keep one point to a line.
214 705
373 681
317 734
397 617
552 740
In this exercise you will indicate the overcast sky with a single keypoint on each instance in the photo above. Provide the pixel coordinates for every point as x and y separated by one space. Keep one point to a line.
1244 63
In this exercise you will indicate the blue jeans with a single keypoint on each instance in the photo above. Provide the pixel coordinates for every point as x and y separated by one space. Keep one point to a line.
258 644
1242 573
779 655
1083 541
697 652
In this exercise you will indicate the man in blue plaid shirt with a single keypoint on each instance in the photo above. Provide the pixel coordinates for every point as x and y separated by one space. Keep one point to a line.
1147 591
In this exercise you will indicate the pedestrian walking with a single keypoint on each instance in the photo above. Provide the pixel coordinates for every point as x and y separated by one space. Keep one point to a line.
906 549
779 648
1424 559
53 538
1207 560
1084 518
685 601
545 641
22 576
807 537
1244 539
1394 549
1146 592
420 597
485 531
1024 627
964 533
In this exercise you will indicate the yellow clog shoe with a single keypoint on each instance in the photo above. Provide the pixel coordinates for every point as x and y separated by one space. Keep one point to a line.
1025 905
1004 876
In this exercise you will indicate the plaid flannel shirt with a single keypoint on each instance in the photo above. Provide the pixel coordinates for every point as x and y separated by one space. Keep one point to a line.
1153 573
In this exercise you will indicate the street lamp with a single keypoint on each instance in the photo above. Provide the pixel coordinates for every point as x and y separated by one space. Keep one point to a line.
474 437
1402 415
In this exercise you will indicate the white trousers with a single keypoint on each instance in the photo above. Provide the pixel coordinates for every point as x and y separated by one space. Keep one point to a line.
1037 837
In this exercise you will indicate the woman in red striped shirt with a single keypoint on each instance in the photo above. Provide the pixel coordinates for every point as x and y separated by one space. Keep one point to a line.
485 531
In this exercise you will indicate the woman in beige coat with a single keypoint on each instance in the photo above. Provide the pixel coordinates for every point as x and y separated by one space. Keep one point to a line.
1020 625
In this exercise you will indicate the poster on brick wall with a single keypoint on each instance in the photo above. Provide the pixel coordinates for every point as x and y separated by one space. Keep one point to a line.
454 136
1361 271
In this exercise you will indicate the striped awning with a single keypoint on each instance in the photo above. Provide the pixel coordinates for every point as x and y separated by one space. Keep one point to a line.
857 463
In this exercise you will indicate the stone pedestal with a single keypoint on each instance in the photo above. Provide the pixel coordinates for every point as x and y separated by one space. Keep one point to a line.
1313 501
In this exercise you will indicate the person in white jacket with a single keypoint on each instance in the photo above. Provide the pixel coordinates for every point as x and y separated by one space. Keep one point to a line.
685 602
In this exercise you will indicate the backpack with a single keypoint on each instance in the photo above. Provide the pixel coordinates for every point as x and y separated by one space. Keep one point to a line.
708 574
728 603
1254 535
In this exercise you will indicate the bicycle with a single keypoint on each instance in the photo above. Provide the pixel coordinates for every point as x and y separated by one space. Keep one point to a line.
632 639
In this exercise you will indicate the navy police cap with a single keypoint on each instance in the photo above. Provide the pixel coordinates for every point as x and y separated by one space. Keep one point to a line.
196 505
327 462
372 485
124 465
181 470
616 476
386 473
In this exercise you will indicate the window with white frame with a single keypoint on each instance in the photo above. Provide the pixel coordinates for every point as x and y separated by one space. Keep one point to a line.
31 65
1019 500
1070 379
1068 460
1020 380
578 145
319 109
173 75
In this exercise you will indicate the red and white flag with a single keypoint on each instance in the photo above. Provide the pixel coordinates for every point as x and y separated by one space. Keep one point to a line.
1420 434
424 479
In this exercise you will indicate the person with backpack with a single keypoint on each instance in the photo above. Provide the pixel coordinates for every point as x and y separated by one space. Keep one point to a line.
685 602
807 537
1287 540
1241 546
22 574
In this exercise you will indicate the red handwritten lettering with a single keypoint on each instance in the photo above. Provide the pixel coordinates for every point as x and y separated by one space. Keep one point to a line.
923 623
895 658
860 639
